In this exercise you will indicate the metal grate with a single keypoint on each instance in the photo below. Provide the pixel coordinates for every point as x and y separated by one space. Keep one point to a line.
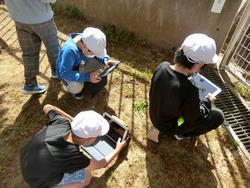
239 65
237 116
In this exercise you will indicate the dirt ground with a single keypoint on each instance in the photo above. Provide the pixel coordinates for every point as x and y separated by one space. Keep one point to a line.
203 162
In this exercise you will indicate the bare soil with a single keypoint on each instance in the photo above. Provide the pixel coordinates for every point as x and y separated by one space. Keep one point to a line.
202 162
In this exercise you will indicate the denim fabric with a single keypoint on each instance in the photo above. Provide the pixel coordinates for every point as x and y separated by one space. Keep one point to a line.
75 177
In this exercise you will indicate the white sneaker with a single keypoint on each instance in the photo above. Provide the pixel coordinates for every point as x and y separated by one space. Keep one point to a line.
153 134
181 137
65 88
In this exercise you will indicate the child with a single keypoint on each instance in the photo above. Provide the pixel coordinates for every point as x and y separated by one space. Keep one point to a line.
81 55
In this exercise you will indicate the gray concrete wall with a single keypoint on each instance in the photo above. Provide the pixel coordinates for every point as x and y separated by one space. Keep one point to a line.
164 23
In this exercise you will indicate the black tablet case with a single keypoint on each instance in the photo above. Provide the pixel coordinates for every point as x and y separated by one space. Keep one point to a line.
106 144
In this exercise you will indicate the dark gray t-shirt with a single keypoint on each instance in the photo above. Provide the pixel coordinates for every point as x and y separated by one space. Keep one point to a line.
48 156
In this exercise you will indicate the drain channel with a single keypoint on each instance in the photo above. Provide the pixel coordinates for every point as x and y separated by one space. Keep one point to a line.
237 116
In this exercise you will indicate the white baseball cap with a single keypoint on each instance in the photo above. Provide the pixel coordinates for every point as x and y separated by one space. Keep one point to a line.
89 124
95 40
199 48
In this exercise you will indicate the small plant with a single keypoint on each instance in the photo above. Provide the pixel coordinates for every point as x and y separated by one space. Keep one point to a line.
72 11
140 106
118 36
127 91
243 90
233 144
145 75
67 10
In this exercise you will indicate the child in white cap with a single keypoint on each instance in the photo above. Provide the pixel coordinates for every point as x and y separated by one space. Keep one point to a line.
52 157
175 107
80 49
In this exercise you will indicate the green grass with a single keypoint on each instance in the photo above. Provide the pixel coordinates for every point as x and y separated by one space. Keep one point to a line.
127 90
145 75
232 145
243 90
69 10
140 106
16 132
118 36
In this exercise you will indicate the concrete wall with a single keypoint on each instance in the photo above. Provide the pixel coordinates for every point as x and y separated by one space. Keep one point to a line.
164 23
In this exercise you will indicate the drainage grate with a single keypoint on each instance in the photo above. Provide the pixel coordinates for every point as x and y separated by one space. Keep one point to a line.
237 116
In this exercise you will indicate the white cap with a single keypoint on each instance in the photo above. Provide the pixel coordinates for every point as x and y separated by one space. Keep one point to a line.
95 40
89 124
199 48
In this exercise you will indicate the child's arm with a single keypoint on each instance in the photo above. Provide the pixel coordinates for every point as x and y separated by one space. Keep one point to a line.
49 107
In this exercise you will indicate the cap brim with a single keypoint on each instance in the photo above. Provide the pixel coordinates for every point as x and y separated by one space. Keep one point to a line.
215 59
105 127
102 54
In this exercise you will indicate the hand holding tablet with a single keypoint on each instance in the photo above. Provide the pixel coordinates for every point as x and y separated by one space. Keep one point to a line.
106 144
205 86
108 70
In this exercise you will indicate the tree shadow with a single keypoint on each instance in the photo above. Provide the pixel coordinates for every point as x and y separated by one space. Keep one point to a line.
179 164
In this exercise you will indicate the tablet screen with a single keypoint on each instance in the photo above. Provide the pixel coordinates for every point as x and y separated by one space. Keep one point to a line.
205 86
116 130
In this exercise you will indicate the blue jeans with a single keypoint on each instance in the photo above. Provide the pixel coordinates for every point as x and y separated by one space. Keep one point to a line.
74 177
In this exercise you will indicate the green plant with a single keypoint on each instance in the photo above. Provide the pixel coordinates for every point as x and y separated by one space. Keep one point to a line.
243 90
69 10
145 75
72 11
127 91
118 36
140 106
233 144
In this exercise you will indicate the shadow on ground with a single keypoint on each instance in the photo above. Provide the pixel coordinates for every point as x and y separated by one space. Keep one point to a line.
179 164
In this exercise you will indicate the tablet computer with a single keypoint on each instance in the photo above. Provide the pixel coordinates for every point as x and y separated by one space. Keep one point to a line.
91 65
205 86
108 70
106 144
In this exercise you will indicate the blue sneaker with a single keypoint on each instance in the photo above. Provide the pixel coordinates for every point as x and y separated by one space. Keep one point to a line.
54 75
31 89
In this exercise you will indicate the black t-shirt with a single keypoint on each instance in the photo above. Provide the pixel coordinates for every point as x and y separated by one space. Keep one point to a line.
173 95
48 156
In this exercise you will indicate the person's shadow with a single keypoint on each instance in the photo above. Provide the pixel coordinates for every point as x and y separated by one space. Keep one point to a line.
175 163
97 102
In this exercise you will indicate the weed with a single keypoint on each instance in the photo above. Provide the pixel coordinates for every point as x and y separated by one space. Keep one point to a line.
145 75
127 91
232 145
118 36
140 106
70 11
17 131
243 90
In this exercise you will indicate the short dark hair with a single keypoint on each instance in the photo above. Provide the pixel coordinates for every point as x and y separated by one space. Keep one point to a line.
180 58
